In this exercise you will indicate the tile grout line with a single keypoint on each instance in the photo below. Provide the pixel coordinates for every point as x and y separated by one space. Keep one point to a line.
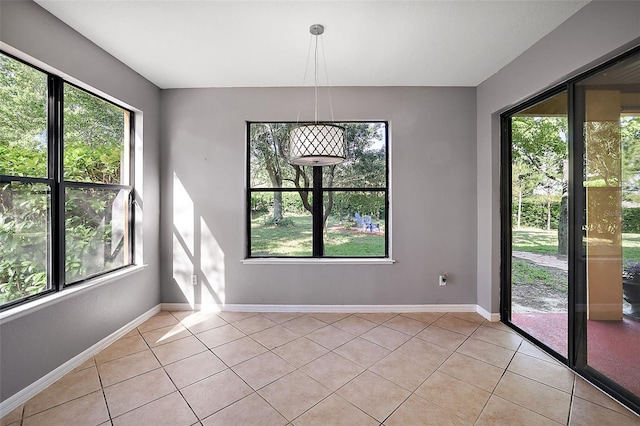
573 388
104 395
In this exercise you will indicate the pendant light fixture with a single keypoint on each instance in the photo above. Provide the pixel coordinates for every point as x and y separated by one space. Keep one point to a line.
317 144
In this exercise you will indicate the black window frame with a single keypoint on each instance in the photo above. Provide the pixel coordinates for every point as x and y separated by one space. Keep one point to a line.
317 192
57 185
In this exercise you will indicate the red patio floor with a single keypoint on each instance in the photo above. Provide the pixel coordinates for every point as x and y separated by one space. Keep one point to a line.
613 347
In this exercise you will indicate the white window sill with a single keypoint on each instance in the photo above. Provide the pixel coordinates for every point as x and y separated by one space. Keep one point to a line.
315 261
29 307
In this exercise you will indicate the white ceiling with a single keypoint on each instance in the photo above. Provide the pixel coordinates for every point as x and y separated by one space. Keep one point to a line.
179 43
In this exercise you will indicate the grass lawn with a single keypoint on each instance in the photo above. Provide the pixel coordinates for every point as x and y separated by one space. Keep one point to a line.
296 239
526 272
546 242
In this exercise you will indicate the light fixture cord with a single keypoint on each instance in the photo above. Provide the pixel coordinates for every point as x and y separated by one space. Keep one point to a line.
315 77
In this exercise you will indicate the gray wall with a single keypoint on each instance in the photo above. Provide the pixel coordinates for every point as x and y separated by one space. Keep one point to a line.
433 229
35 344
597 32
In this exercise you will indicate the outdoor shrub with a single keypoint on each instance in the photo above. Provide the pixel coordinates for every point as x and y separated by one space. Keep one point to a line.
346 204
631 220
260 202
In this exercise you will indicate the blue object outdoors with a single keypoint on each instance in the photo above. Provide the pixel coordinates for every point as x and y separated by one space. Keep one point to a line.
365 223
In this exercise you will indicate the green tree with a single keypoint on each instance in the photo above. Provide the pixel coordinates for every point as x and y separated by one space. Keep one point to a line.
540 143
23 119
524 181
630 140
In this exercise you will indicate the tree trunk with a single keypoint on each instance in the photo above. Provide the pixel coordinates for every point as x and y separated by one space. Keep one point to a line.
277 206
329 206
548 212
519 207
276 182
563 225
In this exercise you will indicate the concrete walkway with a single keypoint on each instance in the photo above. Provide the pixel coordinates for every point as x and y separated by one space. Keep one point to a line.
548 260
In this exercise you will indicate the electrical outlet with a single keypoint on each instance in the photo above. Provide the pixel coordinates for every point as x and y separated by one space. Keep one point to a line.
442 280
194 279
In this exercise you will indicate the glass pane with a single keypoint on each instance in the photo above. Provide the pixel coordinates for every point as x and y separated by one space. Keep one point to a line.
611 131
366 163
23 119
96 139
281 224
268 151
539 279
355 224
24 240
97 231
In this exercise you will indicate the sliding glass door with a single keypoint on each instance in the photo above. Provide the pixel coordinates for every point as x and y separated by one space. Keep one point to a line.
608 116
571 224
539 190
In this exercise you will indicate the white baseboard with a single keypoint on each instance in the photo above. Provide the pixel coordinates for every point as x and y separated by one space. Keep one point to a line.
349 308
327 308
39 385
188 307
489 316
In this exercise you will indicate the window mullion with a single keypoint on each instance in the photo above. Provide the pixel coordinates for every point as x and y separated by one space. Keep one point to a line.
56 174
318 243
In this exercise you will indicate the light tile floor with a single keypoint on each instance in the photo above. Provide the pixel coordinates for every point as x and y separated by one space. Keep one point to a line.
230 368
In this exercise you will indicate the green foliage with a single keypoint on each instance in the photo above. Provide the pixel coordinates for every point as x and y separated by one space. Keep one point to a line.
346 204
540 143
23 240
534 213
262 202
23 119
95 139
631 219
630 141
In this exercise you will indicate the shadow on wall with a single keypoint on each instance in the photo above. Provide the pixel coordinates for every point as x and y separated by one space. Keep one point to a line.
196 252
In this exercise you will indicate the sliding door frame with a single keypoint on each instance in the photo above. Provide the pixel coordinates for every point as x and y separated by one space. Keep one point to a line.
506 207
577 272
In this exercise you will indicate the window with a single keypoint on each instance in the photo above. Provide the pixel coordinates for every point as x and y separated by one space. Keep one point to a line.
330 211
65 184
